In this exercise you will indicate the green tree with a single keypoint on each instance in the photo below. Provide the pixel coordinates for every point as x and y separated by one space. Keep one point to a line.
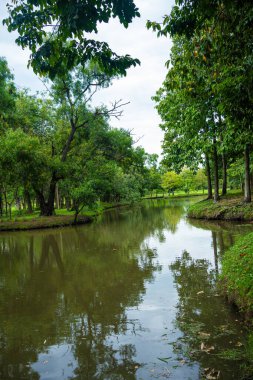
7 93
187 180
223 35
57 33
171 181
23 161
200 180
72 120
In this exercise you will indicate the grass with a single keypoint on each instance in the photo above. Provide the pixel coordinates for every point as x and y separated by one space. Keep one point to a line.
237 274
229 207
23 221
177 194
35 222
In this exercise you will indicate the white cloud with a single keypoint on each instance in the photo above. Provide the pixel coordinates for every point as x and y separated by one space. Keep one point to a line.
141 82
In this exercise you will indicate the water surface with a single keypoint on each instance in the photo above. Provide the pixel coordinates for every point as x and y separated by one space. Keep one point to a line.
131 296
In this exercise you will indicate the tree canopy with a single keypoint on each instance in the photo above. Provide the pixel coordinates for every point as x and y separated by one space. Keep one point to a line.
206 99
57 33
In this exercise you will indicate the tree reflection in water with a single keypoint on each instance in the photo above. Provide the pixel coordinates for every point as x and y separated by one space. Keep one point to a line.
70 289
203 318
69 299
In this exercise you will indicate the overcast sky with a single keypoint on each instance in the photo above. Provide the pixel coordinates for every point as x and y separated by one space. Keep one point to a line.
141 82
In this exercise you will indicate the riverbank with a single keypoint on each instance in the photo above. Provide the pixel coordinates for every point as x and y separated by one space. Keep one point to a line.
230 207
21 222
236 280
38 222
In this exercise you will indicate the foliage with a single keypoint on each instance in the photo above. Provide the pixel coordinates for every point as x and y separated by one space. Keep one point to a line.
57 33
171 181
205 102
7 92
59 151
237 273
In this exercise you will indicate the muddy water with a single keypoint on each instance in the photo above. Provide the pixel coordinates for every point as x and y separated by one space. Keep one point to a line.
131 296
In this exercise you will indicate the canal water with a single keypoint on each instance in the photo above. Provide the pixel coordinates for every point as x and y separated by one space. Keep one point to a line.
130 296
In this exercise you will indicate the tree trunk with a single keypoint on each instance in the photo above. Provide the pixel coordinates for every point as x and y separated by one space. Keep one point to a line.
28 201
1 205
247 188
6 204
47 207
209 180
224 174
68 203
216 172
57 198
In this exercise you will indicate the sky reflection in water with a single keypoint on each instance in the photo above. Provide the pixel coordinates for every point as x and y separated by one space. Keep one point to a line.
117 299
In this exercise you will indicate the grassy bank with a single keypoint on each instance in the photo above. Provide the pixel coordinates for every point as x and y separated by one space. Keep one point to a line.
62 217
230 207
34 222
236 280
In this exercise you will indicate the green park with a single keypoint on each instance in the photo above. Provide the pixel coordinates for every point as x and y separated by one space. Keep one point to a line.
123 258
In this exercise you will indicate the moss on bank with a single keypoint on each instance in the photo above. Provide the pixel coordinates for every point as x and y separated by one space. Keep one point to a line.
228 208
236 279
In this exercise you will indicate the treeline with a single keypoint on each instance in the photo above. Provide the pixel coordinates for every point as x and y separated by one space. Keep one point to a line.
206 99
58 151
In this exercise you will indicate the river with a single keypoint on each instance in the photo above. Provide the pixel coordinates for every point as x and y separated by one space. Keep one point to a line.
130 296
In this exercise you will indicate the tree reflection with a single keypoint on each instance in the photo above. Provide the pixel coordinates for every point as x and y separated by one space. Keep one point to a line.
203 318
224 235
73 286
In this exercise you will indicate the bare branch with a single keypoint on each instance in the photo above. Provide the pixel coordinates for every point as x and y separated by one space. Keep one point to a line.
114 111
44 83
89 85
138 139
91 95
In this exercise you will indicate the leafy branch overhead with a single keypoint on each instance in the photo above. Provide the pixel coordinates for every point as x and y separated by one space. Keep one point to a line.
56 33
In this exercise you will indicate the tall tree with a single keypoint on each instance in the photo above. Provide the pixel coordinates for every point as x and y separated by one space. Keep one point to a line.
71 95
224 30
